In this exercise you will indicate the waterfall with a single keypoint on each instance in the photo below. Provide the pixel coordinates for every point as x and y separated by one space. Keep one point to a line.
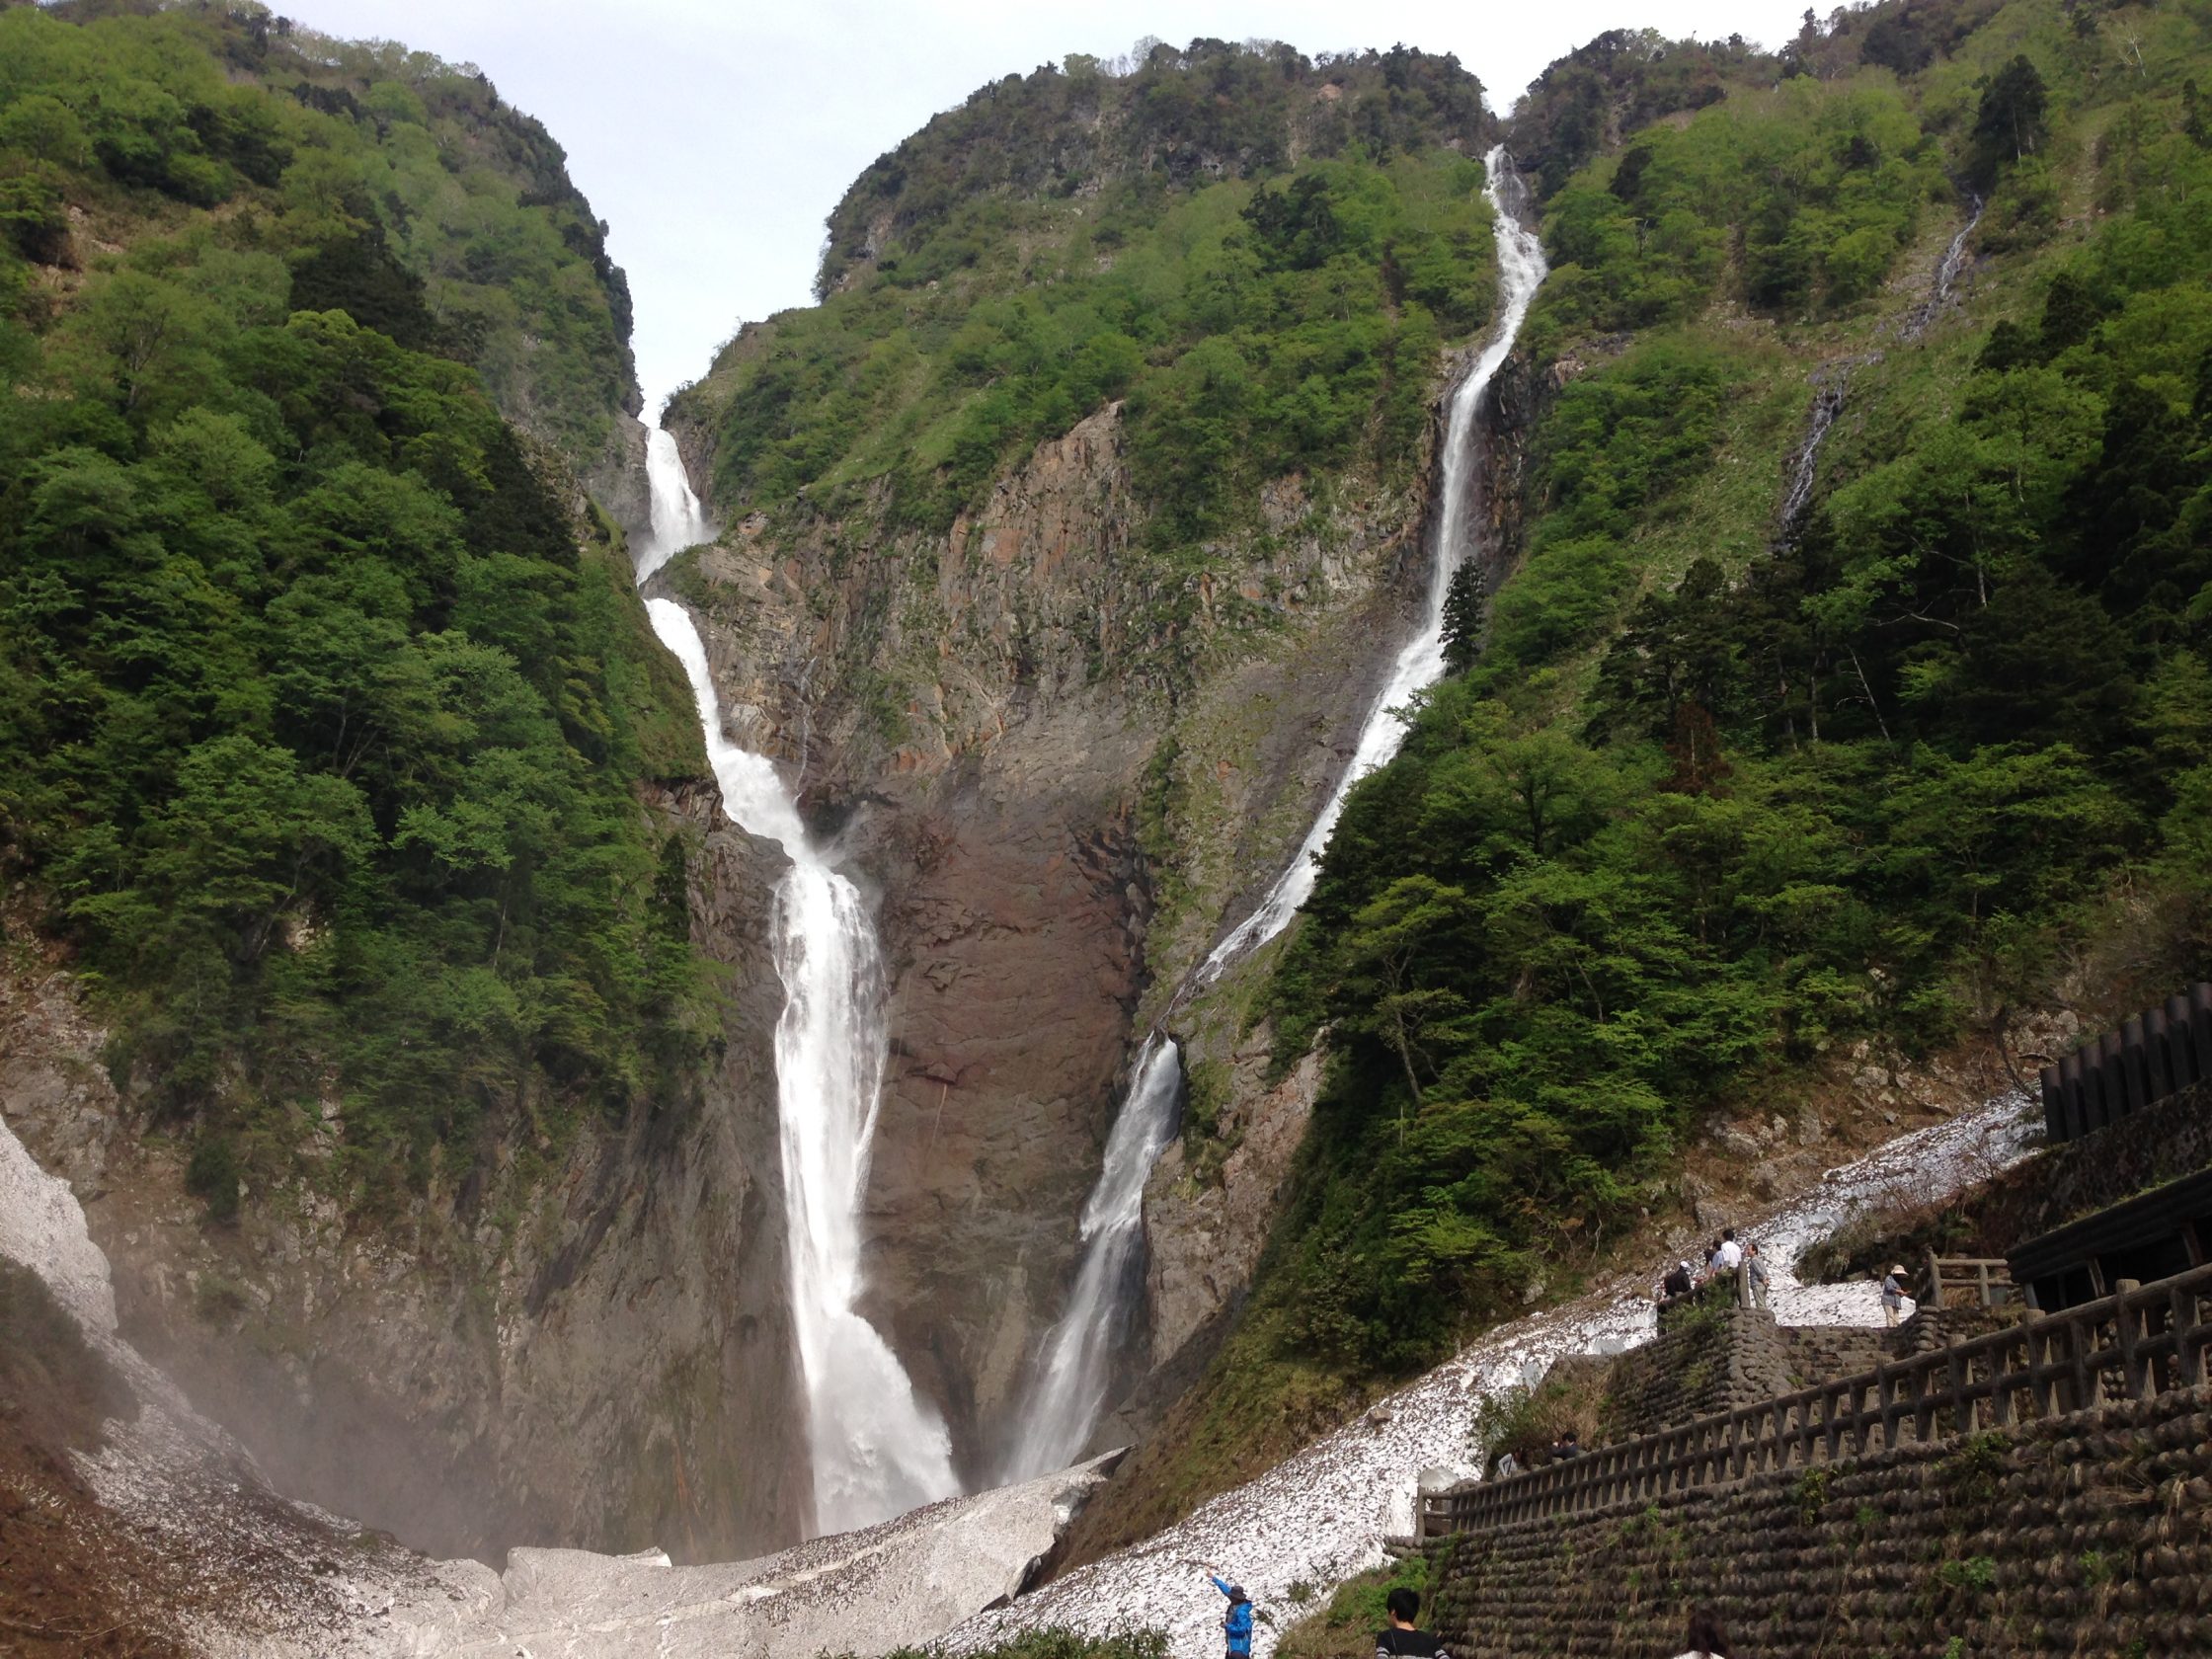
877 1448
1804 469
1946 272
1420 661
679 521
1075 1365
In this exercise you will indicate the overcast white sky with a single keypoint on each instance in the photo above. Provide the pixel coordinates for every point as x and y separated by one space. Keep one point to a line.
715 136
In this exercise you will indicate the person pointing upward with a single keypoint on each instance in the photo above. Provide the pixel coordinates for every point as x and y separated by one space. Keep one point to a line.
1237 1624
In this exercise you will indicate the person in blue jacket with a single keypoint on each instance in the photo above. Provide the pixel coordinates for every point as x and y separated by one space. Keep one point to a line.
1238 1623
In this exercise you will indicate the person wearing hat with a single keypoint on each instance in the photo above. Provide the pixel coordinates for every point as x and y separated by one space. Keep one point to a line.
1237 1624
1893 1294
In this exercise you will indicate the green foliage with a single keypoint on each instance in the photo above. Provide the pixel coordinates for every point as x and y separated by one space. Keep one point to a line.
1169 114
1819 183
316 725
1810 1494
211 1176
1692 819
1287 319
394 186
1975 1468
1976 1572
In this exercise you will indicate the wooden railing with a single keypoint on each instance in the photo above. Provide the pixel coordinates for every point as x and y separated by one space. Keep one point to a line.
2142 1341
1968 1282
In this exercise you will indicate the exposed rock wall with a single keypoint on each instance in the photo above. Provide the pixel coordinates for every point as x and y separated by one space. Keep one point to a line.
989 721
2086 1534
590 1346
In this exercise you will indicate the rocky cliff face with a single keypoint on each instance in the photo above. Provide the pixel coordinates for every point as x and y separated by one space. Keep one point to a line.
1062 766
590 1347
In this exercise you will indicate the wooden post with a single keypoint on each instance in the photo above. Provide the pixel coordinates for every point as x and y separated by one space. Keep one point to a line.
2127 1317
2189 1345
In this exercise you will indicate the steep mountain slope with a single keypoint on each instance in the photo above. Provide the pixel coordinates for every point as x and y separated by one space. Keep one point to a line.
1844 700
340 771
1060 535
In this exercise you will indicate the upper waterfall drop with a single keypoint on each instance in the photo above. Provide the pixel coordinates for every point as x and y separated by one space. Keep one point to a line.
1420 661
678 521
877 1448
1075 1367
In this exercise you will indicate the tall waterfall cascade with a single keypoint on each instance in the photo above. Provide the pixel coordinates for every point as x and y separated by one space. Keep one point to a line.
1075 1366
878 1449
1420 661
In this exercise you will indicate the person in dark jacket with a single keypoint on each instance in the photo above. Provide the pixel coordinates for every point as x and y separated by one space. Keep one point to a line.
1403 1607
1706 1639
1237 1624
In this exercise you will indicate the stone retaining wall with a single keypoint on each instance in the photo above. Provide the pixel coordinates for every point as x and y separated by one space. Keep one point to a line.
2089 1533
1714 1357
1822 1353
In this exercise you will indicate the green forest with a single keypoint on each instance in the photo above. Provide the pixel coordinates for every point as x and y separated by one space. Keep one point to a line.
321 715
1717 794
1259 316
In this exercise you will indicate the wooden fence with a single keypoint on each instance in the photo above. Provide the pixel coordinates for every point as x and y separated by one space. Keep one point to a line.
1968 1282
2141 1341
2151 1056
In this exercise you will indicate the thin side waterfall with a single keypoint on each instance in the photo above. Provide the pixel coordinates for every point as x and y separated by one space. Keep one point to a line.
1074 1368
877 1448
1420 663
1946 272
1829 393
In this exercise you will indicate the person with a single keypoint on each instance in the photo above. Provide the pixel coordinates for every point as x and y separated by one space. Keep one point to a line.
1893 1294
1403 1607
1237 1624
1757 1271
1707 1638
1676 1282
1568 1444
1727 1255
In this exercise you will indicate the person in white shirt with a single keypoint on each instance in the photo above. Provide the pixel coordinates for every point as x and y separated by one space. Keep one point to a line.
1730 1255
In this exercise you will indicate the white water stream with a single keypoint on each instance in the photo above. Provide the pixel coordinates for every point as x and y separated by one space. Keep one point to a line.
878 1449
1420 661
1074 1368
1077 1360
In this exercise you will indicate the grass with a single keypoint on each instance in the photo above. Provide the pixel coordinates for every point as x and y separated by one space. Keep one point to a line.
1346 1627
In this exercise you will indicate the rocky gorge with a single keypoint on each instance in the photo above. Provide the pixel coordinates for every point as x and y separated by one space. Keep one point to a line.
413 1024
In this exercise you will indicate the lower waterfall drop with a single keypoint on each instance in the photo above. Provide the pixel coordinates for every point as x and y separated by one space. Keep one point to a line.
878 1449
1077 1364
1075 1367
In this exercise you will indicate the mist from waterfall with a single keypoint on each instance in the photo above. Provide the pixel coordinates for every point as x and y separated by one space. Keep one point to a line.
1075 1367
1420 661
877 1448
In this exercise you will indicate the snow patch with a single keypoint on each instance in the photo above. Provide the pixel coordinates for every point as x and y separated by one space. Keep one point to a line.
1322 1516
42 1226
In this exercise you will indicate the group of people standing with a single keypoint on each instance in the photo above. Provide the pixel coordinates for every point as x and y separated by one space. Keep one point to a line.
1727 1259
1402 1638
